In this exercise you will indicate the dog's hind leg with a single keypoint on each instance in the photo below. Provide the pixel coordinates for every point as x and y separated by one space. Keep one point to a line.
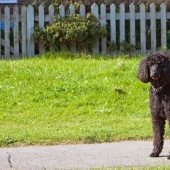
158 125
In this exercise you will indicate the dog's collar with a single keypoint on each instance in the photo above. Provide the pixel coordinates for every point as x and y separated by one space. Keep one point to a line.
156 90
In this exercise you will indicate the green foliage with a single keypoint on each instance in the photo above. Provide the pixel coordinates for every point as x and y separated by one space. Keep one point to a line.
73 29
45 3
127 48
88 3
111 46
163 49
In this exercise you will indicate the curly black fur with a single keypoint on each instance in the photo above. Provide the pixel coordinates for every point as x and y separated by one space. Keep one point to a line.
156 70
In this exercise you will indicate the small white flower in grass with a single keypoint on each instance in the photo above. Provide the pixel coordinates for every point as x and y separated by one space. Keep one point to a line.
106 78
105 110
10 87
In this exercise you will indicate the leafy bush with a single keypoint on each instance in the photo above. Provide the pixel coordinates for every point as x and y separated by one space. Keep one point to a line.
63 32
127 47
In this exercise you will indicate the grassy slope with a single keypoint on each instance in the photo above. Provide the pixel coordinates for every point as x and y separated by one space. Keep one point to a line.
47 101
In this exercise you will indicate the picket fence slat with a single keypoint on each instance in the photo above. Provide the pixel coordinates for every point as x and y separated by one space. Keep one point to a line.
7 32
16 32
30 27
51 14
82 11
24 30
95 12
51 19
62 15
24 45
153 27
163 25
142 29
103 23
113 23
72 12
72 9
62 11
132 25
122 22
41 26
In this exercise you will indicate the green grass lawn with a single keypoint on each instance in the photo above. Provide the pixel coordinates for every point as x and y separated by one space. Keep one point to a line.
65 98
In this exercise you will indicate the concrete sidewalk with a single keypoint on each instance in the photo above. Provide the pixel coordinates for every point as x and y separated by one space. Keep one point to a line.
85 156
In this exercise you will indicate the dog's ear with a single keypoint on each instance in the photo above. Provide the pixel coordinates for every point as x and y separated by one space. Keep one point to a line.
143 71
166 72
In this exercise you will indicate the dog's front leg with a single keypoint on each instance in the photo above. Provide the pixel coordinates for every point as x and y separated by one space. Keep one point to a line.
168 118
158 124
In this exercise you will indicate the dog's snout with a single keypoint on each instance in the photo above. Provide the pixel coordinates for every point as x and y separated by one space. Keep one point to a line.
155 72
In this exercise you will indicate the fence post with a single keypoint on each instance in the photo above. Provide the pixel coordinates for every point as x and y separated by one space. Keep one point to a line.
143 29
24 30
153 27
30 26
7 32
95 12
163 25
103 23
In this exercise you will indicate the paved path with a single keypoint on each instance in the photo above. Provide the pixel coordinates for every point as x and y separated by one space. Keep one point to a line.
116 154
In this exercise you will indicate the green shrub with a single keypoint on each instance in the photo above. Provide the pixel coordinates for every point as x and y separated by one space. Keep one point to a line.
127 47
63 32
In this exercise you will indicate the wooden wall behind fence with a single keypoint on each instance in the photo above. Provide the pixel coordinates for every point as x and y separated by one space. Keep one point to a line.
23 43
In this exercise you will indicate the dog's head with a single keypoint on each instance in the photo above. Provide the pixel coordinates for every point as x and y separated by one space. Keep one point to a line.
157 64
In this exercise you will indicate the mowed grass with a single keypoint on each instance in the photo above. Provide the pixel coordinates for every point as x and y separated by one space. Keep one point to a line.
55 99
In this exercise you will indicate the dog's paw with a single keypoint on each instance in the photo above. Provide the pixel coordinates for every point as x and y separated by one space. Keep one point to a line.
154 154
168 157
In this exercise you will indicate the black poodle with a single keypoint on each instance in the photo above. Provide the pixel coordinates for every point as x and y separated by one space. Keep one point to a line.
156 70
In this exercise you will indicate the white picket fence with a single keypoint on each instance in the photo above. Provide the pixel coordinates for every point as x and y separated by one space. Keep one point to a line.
26 18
